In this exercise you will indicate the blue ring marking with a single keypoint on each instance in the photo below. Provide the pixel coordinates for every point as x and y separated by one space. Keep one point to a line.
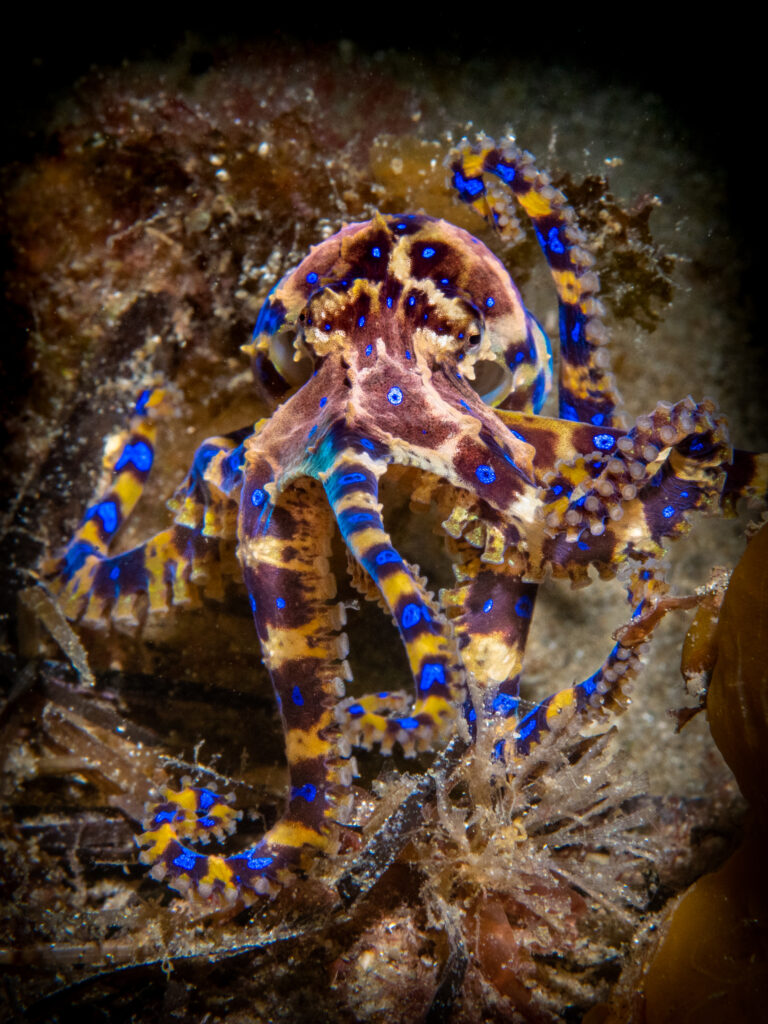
604 442
139 455
359 517
141 402
368 349
490 302
114 573
407 354
356 710
257 863
367 444
394 395
411 300
351 478
307 792
361 322
557 489
527 726
598 419
485 473
311 278
323 402
524 607
186 860
467 186
432 673
488 605
375 252
427 252
106 513
503 171
280 602
387 557
668 511
258 497
411 615
162 816
553 241
504 704
326 327
407 723
206 798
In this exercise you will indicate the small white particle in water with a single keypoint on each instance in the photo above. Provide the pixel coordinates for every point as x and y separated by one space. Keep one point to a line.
396 164
263 149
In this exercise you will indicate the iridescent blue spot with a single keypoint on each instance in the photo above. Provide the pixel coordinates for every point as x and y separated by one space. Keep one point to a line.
696 445
351 478
498 751
207 822
162 816
506 173
141 402
568 412
444 280
306 792
185 860
576 332
485 473
257 863
394 395
557 489
252 601
114 573
683 494
313 431
582 545
432 673
504 704
138 455
488 605
524 607
368 349
323 402
408 723
411 615
407 354
590 685
205 798
258 497
527 726
603 441
645 574
311 278
326 327
106 511
490 302
361 322
356 710
464 405
471 715
598 419
467 186
638 611
427 252
401 226
360 517
375 252
519 357
668 511
553 241
518 435
280 602
387 557
411 300
367 444
389 302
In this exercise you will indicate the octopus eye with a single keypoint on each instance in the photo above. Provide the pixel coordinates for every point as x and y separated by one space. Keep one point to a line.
282 353
493 381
